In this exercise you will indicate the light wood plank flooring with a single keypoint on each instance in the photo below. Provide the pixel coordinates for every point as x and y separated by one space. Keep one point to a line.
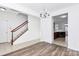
60 41
44 49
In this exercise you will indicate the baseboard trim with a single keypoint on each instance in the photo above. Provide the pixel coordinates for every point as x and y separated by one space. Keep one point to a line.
3 42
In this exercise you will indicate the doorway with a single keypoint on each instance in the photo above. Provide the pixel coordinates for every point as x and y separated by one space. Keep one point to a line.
60 29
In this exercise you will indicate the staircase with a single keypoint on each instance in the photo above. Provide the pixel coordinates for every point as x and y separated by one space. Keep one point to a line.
19 31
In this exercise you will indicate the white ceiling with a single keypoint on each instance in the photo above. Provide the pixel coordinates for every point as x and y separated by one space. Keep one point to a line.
38 7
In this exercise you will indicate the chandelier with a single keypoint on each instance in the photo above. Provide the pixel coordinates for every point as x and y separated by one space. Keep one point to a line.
44 14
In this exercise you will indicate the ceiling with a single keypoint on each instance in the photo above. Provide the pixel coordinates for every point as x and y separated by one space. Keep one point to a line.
38 7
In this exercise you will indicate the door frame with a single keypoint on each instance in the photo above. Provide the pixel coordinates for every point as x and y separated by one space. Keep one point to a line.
53 27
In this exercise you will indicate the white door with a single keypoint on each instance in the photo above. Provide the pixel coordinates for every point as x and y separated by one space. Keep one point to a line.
3 31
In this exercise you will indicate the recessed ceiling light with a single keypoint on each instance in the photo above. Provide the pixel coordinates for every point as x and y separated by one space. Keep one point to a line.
2 9
63 16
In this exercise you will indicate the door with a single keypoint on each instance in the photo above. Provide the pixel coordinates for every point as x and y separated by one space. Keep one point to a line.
3 31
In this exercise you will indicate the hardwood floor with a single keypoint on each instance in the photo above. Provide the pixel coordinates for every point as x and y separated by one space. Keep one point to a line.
44 49
60 41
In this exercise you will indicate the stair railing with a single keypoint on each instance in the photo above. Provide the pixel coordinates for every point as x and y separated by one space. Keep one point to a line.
21 29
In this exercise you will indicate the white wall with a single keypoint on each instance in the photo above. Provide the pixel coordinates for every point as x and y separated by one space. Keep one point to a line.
11 19
33 32
3 29
46 33
73 28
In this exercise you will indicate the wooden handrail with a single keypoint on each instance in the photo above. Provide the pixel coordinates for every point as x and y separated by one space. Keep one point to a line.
17 28
20 26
